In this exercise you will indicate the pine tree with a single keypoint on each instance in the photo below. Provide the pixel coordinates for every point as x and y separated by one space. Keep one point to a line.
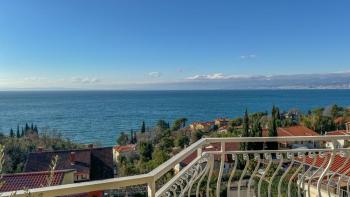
143 127
12 134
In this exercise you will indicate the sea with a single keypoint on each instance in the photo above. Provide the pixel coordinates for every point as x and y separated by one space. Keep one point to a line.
100 116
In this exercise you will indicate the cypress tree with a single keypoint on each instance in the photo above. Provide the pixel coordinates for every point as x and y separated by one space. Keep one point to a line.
143 127
26 128
257 132
245 133
132 137
273 129
36 129
12 134
18 135
23 133
135 138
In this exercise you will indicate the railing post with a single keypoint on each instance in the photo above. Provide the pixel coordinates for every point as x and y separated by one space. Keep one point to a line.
151 188
221 170
199 152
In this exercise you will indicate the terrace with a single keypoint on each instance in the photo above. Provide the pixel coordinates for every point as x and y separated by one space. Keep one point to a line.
303 171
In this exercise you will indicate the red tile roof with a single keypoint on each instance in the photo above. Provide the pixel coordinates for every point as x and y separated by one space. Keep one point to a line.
337 163
296 131
126 148
233 146
292 131
30 180
339 132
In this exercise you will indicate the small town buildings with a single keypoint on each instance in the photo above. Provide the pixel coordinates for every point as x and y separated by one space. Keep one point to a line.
220 122
223 129
203 126
341 143
217 158
89 164
125 151
294 131
30 180
340 166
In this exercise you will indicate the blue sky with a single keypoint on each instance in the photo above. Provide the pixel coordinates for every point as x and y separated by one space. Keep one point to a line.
112 43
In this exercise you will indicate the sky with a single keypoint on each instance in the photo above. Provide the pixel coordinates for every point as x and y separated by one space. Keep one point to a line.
113 44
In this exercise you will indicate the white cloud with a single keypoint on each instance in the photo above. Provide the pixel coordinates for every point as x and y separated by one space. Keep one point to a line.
155 74
85 80
34 79
250 56
215 76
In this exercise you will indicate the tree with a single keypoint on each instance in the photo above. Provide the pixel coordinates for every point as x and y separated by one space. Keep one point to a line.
179 123
196 135
12 134
162 125
159 156
35 130
273 129
257 132
18 135
143 127
182 141
166 143
22 133
132 137
27 128
236 122
245 133
146 151
123 139
184 120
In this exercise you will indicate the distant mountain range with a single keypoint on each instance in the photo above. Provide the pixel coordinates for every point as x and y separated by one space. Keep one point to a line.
297 81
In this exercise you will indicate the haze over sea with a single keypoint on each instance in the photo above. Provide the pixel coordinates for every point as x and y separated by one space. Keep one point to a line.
99 116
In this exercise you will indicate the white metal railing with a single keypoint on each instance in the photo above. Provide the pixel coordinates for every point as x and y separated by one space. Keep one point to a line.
283 172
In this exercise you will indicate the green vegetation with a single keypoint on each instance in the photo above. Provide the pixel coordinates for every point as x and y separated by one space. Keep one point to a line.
157 144
326 119
18 146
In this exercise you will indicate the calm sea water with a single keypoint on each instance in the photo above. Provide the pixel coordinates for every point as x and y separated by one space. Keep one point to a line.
99 116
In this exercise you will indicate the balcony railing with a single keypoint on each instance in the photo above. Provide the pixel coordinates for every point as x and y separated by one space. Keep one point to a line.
222 171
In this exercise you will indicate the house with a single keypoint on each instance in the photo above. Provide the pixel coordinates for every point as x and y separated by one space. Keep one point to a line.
232 146
30 180
341 143
340 165
89 164
203 126
220 122
125 151
294 131
223 129
292 114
